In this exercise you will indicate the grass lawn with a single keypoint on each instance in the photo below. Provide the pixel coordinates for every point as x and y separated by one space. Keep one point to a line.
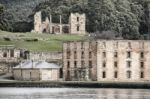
45 43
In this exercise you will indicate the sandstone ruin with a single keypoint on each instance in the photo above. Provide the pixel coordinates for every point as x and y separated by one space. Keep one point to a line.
76 25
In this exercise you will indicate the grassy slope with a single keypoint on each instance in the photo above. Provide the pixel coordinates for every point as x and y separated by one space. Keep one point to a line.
47 42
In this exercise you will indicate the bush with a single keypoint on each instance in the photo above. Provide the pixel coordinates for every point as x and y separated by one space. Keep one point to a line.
7 39
32 40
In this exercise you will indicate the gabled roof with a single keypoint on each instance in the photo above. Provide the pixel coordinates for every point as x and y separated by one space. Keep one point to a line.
37 64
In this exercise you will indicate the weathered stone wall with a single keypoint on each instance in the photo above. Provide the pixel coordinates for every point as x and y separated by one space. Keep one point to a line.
36 74
47 56
137 63
38 22
9 57
76 24
77 58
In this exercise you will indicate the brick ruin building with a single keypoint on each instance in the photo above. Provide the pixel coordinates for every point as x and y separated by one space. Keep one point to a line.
107 60
79 61
10 56
76 24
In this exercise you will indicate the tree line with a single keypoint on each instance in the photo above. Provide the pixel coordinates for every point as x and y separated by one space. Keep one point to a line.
127 19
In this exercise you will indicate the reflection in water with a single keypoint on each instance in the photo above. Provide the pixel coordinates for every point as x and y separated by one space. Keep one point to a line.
73 93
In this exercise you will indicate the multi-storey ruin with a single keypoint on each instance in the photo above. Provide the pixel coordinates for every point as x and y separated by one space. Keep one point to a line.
110 60
10 56
76 24
79 61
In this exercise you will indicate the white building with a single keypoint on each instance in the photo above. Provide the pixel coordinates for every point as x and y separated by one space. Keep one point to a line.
36 71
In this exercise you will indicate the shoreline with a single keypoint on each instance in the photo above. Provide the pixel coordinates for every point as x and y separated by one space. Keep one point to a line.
75 84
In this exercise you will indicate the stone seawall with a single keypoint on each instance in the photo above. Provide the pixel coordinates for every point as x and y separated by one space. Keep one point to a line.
61 84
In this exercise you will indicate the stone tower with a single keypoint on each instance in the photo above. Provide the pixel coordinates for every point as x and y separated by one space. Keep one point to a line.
37 22
77 23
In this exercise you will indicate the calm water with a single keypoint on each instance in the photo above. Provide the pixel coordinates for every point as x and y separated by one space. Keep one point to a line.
73 93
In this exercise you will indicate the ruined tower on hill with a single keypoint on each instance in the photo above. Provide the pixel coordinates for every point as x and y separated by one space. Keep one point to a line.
76 25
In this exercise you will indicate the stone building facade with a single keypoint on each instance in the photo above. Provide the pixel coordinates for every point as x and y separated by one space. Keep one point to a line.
76 25
36 71
55 57
112 60
123 60
79 61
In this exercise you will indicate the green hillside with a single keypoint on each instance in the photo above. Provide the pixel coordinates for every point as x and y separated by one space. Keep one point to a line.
37 42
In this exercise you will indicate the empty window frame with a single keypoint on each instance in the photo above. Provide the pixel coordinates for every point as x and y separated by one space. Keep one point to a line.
129 74
128 54
12 53
128 64
141 64
115 74
104 64
90 64
75 64
82 55
77 19
141 74
5 54
103 74
75 54
142 55
68 64
115 64
82 63
104 54
78 28
115 54
68 54
90 55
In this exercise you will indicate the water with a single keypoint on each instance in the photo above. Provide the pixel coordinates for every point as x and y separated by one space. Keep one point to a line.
73 93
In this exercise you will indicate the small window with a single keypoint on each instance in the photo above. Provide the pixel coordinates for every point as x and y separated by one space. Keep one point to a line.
78 28
68 54
128 74
75 55
82 55
104 64
104 74
104 54
142 75
90 54
77 19
142 64
75 64
115 74
82 63
128 54
128 64
142 54
115 64
90 64
11 53
5 54
115 54
68 64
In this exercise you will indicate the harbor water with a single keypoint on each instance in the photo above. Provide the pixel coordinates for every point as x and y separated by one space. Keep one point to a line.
73 93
